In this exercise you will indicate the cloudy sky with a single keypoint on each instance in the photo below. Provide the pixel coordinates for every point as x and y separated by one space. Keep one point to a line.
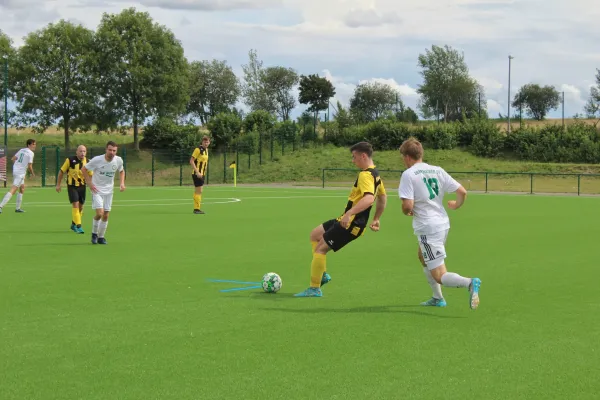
553 42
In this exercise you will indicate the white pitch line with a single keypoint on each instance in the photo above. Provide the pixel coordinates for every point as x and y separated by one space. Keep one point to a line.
181 202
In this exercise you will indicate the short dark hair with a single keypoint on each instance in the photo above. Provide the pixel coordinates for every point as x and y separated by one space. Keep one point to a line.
111 143
363 147
30 142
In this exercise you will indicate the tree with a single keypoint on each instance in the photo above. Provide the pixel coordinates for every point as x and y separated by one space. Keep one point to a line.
592 108
536 100
254 91
447 90
214 89
278 83
342 117
316 92
372 99
53 77
141 70
6 50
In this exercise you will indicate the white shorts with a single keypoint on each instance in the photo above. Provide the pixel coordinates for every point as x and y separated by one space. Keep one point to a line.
433 247
103 201
18 180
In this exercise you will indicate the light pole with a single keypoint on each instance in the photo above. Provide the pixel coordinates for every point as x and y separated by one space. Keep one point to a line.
508 106
5 57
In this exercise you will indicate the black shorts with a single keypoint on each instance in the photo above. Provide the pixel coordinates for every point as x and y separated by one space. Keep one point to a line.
337 237
76 193
197 181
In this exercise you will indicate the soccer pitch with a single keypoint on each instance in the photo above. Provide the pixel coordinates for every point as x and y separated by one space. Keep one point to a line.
140 318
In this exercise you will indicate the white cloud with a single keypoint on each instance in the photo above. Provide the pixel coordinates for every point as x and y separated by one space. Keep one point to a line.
493 108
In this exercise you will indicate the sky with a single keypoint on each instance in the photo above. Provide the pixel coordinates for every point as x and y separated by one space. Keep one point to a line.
553 42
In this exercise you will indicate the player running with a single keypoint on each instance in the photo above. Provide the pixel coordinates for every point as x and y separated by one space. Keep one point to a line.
422 189
101 184
76 186
22 162
337 233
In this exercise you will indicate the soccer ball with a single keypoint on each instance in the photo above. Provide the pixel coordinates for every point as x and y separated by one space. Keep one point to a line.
271 282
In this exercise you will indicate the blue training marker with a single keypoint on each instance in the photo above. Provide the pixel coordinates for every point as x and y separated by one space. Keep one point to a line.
241 288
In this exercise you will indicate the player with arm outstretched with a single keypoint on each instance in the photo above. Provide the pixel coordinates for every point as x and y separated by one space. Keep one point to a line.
422 189
22 162
337 233
76 186
101 184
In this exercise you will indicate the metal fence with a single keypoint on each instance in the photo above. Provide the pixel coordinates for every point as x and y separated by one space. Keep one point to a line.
488 181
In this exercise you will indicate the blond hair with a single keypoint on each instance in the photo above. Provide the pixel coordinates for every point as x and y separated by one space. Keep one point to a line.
412 148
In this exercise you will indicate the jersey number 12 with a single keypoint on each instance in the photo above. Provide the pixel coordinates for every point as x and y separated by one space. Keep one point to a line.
432 186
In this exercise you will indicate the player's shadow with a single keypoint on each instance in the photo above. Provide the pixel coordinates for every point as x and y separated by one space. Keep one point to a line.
394 309
51 232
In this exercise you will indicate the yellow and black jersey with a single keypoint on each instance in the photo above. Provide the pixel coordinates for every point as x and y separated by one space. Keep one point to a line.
367 182
72 167
200 156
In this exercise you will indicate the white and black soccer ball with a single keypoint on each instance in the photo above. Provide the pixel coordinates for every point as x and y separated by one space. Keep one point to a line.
271 282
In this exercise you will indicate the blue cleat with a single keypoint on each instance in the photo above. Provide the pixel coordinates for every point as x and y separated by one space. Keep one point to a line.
433 302
474 293
79 230
0 210
94 238
73 227
18 210
102 241
325 279
310 292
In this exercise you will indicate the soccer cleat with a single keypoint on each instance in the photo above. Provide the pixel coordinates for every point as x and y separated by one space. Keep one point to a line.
199 212
325 279
0 210
78 230
18 210
102 241
433 302
94 238
474 293
310 292
73 227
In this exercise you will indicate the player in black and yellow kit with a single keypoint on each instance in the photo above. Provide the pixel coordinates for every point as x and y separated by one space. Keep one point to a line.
75 185
199 163
336 233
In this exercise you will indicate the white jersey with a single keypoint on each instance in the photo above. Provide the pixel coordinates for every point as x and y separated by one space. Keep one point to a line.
104 172
24 158
426 185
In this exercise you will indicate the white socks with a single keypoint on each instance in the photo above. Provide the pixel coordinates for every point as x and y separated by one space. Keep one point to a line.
19 200
454 280
102 228
95 224
436 287
6 199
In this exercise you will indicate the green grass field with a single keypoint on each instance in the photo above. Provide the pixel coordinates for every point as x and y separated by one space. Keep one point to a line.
139 318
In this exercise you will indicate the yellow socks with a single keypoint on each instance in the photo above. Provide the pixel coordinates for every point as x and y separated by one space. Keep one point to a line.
76 216
314 245
197 200
317 267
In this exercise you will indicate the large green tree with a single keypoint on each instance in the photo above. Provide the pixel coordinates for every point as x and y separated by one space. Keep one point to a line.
592 107
141 70
537 100
255 93
447 90
316 92
278 83
53 77
214 89
7 54
372 99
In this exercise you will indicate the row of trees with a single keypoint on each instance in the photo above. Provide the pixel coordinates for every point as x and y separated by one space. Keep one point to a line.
131 70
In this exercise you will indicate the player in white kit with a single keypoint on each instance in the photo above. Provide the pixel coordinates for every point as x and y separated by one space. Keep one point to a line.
101 184
422 189
22 162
